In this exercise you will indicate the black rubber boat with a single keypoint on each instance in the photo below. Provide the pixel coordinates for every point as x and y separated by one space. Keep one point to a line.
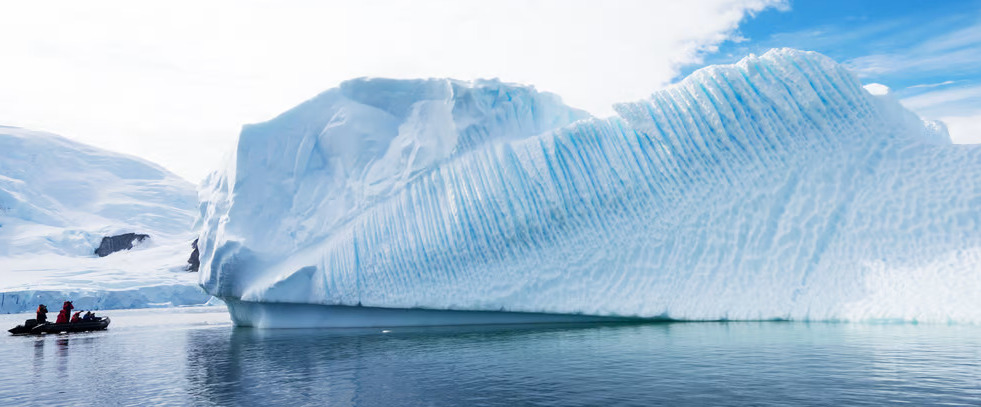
31 327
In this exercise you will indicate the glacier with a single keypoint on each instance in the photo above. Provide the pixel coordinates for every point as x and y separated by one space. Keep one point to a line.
774 188
59 198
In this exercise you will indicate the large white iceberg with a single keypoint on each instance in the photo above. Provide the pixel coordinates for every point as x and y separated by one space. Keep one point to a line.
775 188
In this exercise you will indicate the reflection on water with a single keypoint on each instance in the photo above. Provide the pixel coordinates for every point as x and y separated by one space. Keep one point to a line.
717 364
38 350
61 350
192 362
369 367
38 364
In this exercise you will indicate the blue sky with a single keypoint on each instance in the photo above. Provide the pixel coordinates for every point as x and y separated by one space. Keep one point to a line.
927 52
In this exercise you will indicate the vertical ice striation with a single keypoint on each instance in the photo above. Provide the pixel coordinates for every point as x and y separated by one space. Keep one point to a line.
773 188
296 178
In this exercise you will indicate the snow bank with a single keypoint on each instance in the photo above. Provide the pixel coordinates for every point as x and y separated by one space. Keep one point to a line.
59 198
775 188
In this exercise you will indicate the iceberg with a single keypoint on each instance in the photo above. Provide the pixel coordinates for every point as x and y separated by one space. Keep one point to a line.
774 188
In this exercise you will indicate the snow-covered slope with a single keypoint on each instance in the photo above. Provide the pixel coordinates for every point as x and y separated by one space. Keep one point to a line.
773 188
59 198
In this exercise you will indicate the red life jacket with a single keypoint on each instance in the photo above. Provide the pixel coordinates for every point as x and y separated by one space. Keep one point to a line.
62 317
76 317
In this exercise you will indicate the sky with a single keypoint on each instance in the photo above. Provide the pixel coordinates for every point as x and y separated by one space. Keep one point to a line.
174 81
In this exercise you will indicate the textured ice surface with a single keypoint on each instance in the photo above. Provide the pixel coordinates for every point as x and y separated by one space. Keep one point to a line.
59 198
773 188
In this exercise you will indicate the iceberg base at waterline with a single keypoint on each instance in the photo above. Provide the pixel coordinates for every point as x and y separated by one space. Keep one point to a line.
295 315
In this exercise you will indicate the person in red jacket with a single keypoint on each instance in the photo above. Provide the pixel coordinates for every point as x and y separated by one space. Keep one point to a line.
77 317
62 317
68 307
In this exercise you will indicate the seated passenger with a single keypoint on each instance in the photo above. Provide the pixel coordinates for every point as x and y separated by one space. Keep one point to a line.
62 317
42 314
77 317
88 316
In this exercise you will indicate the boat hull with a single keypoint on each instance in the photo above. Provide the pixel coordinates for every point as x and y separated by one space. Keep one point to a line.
30 328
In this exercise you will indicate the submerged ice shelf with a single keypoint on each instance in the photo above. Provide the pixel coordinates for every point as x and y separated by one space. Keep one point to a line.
775 188
292 315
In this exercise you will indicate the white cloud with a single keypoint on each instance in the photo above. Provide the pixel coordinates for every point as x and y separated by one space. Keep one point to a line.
958 107
959 50
946 101
877 89
964 129
932 85
173 81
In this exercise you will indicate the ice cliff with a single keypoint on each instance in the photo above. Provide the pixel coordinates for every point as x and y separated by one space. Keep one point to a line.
775 188
60 200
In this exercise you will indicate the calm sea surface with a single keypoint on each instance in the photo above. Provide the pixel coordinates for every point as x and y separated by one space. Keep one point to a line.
195 357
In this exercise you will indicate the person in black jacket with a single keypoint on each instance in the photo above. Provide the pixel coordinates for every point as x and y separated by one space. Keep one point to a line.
42 314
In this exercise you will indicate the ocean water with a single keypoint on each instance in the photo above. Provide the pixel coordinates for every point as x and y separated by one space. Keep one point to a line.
194 356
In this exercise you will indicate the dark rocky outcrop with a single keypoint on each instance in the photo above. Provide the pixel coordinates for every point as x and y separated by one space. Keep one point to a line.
112 244
194 262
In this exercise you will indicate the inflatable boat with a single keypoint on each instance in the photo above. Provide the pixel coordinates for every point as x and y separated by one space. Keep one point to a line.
33 328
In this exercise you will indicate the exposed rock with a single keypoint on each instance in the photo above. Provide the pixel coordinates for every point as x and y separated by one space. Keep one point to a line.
112 244
193 262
